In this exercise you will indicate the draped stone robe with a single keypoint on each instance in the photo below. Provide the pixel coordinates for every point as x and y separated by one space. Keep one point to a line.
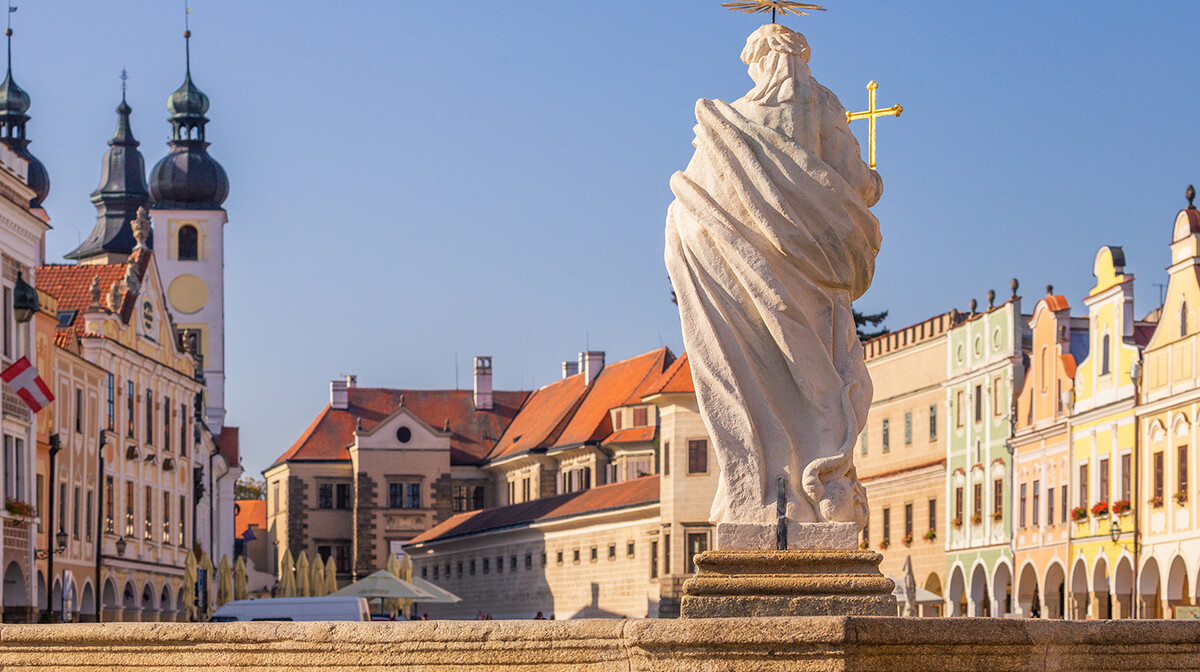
769 239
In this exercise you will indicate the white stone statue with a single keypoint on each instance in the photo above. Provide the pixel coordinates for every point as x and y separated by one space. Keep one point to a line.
769 239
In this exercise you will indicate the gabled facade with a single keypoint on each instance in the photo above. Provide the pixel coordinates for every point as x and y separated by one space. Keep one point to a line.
151 460
1103 432
984 368
1044 504
1164 495
379 466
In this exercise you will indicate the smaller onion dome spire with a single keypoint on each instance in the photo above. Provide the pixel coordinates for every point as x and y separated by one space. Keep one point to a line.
14 103
187 178
121 192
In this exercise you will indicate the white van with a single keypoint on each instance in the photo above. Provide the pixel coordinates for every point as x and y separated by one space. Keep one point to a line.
294 609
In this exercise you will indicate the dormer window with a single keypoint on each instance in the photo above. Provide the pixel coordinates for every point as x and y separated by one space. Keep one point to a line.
189 246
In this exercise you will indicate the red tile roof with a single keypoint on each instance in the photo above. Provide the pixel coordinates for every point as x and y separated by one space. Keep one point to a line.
249 512
676 379
629 493
542 418
472 432
1056 302
227 445
619 384
635 435
71 284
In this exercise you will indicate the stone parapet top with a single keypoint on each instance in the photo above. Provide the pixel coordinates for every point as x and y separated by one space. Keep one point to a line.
791 643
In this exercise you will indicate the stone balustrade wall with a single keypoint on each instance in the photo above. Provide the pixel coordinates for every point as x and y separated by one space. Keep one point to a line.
762 645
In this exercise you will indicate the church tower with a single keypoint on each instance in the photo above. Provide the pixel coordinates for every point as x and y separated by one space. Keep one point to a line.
14 103
121 192
187 188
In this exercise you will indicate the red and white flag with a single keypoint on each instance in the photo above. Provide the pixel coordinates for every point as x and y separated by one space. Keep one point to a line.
23 378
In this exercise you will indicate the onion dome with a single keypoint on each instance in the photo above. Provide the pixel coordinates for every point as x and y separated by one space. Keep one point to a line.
121 192
13 99
187 178
14 103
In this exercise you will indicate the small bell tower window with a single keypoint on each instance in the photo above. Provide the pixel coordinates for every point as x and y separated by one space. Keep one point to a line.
188 243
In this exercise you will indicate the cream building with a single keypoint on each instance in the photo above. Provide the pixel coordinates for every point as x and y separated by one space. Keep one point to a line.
1164 497
902 454
621 547
23 226
379 466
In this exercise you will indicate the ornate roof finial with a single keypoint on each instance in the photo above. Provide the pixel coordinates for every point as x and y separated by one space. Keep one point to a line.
8 33
124 77
187 36
94 292
973 305
113 300
991 298
1191 196
1049 290
141 228
1014 285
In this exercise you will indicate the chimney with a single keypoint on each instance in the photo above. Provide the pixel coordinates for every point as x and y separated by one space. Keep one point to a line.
591 362
339 398
483 383
569 369
351 381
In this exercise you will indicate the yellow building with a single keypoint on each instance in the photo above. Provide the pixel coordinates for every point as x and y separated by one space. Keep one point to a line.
1103 548
1164 509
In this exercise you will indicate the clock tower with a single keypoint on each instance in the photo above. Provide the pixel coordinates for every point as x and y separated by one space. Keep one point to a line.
187 188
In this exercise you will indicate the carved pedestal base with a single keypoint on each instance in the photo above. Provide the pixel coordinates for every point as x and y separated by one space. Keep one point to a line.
788 583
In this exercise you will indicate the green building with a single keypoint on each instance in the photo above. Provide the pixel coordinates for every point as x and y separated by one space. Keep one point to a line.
985 366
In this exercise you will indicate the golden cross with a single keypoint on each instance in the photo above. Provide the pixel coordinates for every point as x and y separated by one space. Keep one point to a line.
870 115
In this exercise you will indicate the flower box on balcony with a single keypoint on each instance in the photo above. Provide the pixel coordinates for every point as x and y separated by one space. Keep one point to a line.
1079 514
1100 509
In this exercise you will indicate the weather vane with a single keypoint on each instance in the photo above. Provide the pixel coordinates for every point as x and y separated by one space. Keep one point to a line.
784 7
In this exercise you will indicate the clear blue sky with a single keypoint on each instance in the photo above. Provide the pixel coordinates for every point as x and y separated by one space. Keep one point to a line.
411 180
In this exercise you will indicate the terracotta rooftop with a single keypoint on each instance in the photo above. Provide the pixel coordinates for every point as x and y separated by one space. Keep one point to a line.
1056 302
542 418
472 432
249 512
619 384
676 379
71 285
629 493
634 435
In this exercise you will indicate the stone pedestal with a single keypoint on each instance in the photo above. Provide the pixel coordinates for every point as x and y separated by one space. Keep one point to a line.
737 583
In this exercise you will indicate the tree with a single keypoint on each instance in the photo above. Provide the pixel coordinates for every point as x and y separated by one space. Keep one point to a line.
248 488
861 320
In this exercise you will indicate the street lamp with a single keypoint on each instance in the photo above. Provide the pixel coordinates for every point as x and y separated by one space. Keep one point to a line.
60 541
25 300
121 544
1114 531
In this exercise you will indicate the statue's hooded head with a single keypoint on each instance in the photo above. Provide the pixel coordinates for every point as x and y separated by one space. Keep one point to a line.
776 38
